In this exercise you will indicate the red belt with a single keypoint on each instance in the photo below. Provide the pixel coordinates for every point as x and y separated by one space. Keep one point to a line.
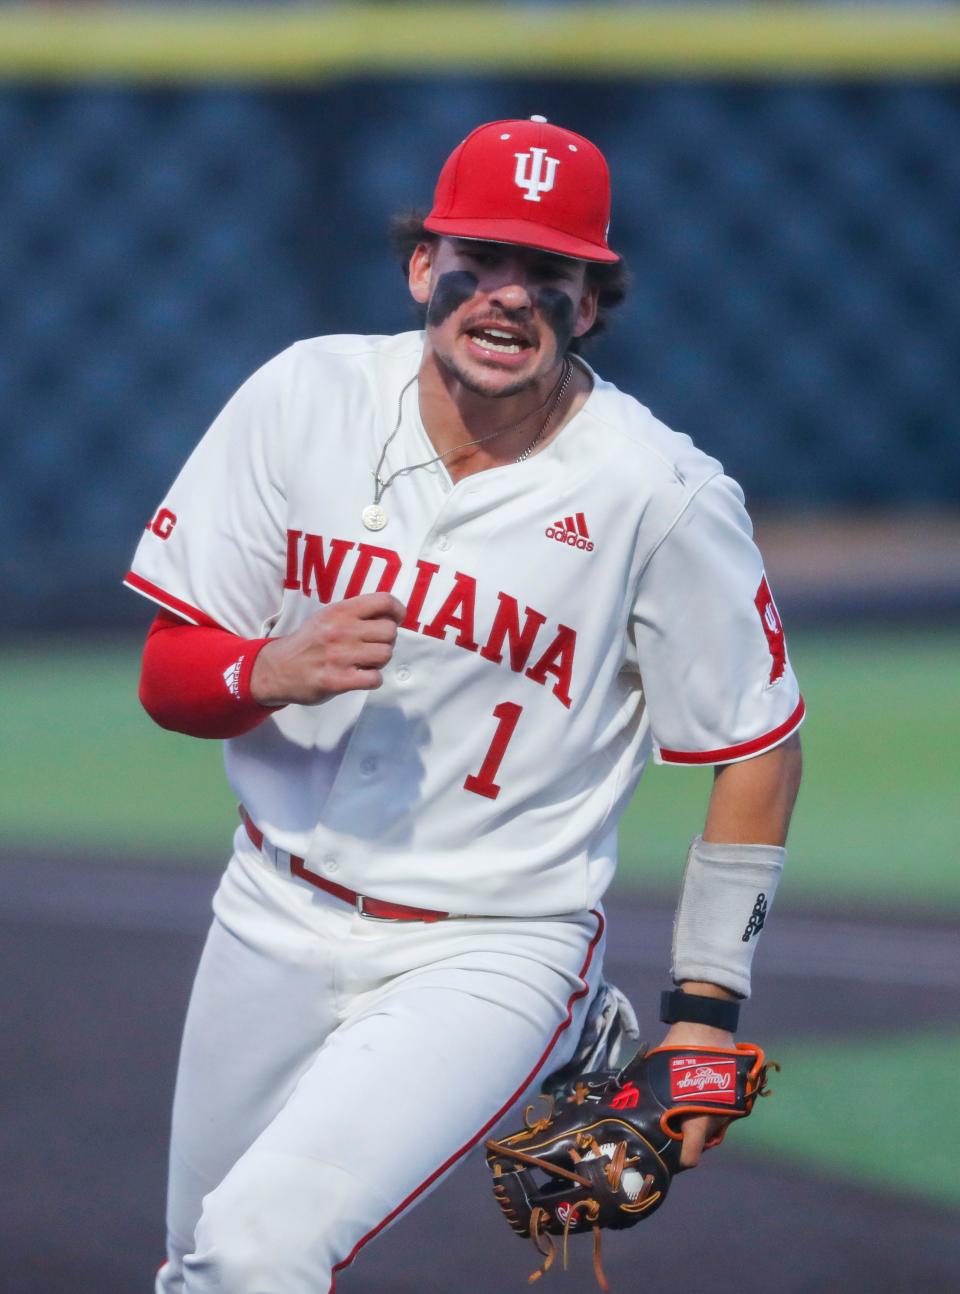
367 907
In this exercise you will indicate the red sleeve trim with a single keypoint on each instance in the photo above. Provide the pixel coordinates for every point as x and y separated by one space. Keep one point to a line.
165 599
754 747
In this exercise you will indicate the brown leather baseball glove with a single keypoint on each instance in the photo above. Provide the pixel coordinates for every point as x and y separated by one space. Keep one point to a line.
607 1149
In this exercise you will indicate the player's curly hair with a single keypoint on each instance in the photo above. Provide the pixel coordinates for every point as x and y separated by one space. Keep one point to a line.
407 231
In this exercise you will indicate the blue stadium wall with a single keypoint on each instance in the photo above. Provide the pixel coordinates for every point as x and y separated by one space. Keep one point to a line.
796 305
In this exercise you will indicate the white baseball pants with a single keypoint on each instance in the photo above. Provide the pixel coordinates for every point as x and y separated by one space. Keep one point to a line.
334 1068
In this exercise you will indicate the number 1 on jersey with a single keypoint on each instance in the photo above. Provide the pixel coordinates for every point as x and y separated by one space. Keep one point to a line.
507 715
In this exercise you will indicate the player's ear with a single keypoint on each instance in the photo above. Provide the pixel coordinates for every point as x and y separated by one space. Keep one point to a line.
419 271
587 310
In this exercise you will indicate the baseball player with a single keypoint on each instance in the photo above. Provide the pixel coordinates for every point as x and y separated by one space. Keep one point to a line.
443 594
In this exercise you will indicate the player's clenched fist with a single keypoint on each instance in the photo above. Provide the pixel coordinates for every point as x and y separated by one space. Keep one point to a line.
342 648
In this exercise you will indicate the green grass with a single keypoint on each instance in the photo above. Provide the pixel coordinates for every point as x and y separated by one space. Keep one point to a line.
851 1109
82 766
876 818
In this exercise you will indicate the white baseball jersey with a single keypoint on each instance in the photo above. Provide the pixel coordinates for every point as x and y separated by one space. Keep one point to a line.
566 616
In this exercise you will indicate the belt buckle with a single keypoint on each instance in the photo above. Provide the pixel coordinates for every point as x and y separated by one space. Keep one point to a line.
360 904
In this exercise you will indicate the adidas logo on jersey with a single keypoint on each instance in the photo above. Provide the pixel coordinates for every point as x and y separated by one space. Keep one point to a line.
572 531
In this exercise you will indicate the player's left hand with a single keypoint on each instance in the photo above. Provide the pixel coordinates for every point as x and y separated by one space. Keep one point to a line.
700 1131
605 1151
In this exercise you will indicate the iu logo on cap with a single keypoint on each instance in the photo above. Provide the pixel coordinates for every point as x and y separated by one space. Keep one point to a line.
537 181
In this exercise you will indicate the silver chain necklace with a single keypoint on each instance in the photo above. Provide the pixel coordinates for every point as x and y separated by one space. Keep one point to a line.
375 517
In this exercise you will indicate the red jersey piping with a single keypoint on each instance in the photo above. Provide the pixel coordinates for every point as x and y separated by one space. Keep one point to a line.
165 599
754 747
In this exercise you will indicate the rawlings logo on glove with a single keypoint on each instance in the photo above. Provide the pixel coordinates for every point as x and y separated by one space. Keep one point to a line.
704 1079
605 1153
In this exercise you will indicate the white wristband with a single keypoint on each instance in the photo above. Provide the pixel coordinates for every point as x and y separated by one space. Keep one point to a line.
726 894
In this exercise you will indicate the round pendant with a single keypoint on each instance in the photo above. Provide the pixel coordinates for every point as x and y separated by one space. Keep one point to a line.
373 517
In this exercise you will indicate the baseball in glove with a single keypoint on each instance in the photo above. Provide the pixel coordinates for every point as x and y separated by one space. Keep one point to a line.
604 1154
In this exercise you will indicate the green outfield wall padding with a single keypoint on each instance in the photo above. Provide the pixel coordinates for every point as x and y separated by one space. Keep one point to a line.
298 44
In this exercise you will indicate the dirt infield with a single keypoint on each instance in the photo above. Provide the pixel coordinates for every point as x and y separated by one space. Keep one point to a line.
96 964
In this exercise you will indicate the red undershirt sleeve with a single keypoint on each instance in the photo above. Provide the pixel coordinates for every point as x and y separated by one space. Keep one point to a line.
195 679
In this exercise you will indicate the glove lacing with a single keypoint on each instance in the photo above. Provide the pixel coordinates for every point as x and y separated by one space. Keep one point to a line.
545 1244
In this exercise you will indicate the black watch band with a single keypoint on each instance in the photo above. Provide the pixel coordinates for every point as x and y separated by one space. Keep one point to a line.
720 1013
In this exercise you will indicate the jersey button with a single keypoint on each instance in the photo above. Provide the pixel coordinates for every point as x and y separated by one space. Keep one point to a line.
368 765
443 543
403 674
330 864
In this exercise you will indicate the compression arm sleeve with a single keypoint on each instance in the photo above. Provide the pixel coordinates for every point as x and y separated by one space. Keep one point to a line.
195 679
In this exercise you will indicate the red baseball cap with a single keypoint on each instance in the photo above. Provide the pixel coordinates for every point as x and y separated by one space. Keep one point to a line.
526 182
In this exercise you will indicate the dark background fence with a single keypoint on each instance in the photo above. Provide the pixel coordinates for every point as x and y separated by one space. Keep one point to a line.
796 305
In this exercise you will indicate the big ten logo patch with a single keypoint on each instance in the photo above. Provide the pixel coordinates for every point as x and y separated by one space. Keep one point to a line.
162 524
708 1079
